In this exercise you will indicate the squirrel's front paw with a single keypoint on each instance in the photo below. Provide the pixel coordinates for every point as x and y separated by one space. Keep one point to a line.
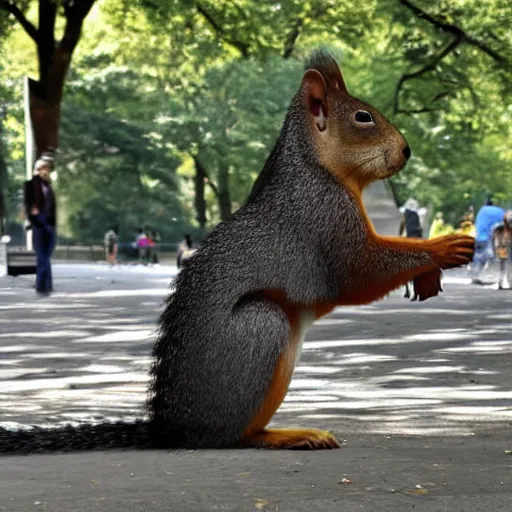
427 285
452 250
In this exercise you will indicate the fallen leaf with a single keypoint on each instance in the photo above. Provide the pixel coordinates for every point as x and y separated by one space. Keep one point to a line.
416 492
260 504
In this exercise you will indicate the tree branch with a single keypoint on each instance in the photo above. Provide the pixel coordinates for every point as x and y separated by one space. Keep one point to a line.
418 111
240 45
428 67
456 31
289 44
205 174
75 14
16 12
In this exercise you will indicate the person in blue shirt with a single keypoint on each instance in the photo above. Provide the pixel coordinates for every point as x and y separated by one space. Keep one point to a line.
486 220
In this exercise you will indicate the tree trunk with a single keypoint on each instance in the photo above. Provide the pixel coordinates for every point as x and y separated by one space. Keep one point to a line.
199 199
45 122
54 60
224 196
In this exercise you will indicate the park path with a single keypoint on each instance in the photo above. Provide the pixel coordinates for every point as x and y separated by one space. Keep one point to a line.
420 393
392 367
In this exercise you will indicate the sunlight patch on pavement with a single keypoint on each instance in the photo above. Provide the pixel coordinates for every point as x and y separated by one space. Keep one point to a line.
308 383
476 413
456 280
366 310
431 369
353 359
333 321
101 368
368 404
15 386
120 336
13 373
150 292
58 355
422 431
440 336
22 348
45 306
313 345
45 334
317 369
481 346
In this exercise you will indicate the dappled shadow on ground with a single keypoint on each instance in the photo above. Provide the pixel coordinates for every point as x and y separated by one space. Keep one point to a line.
440 367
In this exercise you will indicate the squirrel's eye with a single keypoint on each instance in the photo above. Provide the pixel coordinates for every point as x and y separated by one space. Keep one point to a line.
363 117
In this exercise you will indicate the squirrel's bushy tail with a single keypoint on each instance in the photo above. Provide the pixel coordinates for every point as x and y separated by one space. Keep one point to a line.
102 436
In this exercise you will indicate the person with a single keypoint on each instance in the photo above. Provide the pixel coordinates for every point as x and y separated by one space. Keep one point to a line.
110 241
410 225
155 241
487 218
466 226
502 241
41 211
438 227
142 242
185 251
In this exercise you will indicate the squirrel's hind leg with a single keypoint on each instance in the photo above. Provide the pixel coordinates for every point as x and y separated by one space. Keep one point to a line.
292 439
255 434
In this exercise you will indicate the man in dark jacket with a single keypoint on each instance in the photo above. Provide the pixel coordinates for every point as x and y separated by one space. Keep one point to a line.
41 211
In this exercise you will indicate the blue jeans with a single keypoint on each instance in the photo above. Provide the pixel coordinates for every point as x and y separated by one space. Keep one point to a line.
44 239
483 253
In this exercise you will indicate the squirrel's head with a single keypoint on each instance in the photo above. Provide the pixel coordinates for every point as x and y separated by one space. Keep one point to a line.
353 140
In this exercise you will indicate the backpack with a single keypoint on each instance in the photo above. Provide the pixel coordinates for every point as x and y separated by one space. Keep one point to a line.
413 227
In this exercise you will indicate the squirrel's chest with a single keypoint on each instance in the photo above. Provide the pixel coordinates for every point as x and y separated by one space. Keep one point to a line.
299 328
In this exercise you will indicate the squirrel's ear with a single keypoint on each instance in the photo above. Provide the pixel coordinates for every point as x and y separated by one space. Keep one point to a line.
315 93
336 80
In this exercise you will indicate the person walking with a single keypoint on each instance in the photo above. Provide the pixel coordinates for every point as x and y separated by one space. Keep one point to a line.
41 211
502 239
110 241
410 225
185 251
486 220
155 241
142 242
438 227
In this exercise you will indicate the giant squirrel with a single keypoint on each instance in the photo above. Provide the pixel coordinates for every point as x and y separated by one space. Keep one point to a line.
231 332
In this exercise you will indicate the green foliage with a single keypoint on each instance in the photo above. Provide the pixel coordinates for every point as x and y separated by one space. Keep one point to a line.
232 122
113 172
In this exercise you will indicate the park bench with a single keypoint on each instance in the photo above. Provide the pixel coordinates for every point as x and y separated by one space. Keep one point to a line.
20 262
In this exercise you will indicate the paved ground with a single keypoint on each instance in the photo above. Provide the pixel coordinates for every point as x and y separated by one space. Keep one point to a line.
421 394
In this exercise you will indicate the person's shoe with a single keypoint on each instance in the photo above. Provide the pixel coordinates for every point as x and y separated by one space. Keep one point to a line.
476 281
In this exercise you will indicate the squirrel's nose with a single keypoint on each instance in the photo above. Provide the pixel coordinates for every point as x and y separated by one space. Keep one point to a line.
407 152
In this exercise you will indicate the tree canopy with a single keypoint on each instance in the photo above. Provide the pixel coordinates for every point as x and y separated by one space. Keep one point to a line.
170 108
